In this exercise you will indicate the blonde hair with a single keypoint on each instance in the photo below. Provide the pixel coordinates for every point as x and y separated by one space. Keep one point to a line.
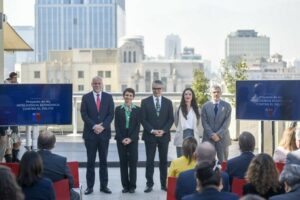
288 140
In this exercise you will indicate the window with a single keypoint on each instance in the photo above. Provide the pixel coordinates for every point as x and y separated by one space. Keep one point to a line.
123 87
136 87
107 74
155 76
80 74
148 81
107 88
125 57
134 57
80 87
129 56
100 73
37 74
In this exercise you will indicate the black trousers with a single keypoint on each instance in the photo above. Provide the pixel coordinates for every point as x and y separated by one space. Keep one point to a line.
128 155
92 146
163 161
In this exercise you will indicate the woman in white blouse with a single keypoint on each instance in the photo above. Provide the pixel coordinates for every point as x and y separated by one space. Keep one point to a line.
187 119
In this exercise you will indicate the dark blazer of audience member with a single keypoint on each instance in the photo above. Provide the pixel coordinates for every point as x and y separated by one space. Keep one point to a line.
290 176
157 119
186 181
9 189
262 177
209 183
30 178
97 132
215 117
55 166
127 126
237 167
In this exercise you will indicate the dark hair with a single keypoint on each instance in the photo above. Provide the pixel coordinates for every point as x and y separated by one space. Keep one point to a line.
130 90
12 74
246 142
208 174
157 82
189 146
31 166
194 105
9 189
46 140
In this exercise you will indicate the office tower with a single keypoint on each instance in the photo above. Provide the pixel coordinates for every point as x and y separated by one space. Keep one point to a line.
72 24
246 45
172 47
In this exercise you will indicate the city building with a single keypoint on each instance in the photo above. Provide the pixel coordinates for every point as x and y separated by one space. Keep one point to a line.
77 24
246 45
172 47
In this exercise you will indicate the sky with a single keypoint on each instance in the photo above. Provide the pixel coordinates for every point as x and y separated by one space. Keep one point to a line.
202 24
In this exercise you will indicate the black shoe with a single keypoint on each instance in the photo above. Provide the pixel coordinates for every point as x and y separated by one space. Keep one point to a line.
132 190
164 188
125 190
148 189
88 191
105 190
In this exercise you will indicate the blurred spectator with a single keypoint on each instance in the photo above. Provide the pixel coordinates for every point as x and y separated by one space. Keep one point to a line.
186 181
286 145
209 183
237 167
294 156
55 166
30 178
290 176
187 160
262 177
252 197
9 189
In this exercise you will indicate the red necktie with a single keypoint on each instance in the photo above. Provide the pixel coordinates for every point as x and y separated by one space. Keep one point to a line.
98 103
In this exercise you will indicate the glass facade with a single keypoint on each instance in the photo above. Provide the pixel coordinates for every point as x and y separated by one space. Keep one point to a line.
73 24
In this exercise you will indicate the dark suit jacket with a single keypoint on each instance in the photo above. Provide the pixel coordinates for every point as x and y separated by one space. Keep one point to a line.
237 167
151 121
91 116
292 195
186 183
55 167
211 194
42 190
134 123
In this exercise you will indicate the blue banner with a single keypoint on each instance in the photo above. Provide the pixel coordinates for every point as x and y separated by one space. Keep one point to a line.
35 104
268 100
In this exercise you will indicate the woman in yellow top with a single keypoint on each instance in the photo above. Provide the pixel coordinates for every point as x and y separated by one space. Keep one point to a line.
187 160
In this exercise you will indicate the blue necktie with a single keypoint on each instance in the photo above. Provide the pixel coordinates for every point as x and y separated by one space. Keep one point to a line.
216 108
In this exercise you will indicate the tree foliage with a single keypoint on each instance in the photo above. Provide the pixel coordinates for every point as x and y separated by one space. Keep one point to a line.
200 86
232 73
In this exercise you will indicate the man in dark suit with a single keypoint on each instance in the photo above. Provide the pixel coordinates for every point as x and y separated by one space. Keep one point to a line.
54 166
157 119
186 182
237 167
97 112
215 117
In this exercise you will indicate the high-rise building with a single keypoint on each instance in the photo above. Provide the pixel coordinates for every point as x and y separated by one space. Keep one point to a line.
70 24
172 47
246 45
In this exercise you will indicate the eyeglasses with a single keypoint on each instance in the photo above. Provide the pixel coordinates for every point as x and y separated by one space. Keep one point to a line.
156 88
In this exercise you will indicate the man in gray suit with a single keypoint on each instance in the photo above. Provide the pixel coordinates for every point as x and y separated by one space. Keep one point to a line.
215 117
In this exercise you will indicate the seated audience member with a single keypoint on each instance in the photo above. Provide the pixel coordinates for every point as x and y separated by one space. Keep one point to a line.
290 176
262 177
237 167
30 178
186 181
294 156
55 166
9 189
209 183
286 145
187 161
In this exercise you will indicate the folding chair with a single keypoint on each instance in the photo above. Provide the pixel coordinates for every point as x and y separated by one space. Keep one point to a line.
237 186
171 188
62 190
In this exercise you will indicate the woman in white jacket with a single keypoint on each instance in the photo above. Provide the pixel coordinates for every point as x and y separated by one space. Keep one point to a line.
187 119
